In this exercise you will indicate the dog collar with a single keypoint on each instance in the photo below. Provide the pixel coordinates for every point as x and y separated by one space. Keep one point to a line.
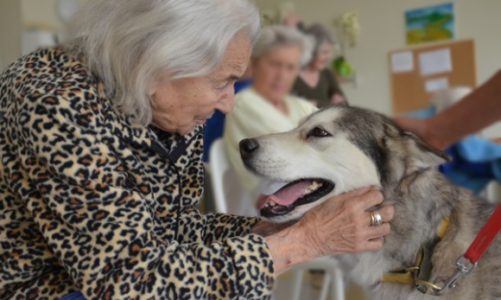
419 274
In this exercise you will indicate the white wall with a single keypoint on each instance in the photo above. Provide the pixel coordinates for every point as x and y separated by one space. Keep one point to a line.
383 30
40 13
10 31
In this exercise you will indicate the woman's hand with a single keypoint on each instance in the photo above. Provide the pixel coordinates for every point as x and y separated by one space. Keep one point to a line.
338 226
342 224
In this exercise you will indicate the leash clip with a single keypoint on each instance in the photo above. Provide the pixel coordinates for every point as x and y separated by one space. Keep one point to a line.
463 267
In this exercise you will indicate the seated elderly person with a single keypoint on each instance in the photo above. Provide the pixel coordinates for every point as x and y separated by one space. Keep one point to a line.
101 170
267 107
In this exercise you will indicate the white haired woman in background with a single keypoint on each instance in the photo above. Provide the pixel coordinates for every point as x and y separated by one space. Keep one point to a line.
101 168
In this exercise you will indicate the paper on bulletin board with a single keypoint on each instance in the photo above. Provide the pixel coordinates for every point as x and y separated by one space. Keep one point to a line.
402 62
435 62
436 84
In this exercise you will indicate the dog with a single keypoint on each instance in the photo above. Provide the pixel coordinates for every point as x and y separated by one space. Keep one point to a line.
340 149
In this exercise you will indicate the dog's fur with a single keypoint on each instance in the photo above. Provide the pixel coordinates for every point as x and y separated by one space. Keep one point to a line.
365 148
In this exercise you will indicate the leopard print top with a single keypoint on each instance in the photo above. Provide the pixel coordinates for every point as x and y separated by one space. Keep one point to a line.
91 202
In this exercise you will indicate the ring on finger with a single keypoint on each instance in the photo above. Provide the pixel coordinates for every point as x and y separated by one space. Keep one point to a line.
376 218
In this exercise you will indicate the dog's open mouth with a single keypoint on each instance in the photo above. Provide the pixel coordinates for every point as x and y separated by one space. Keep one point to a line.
287 196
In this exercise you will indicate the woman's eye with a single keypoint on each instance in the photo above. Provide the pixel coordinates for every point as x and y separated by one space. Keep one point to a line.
226 84
318 132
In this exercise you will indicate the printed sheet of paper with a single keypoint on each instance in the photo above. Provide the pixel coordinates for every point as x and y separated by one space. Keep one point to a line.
402 62
435 62
436 84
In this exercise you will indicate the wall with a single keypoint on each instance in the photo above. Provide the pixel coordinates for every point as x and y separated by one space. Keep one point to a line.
382 25
10 31
40 13
18 15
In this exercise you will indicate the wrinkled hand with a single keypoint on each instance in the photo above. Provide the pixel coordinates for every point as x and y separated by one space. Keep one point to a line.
342 224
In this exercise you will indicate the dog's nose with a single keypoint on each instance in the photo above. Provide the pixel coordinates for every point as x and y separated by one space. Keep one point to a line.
247 147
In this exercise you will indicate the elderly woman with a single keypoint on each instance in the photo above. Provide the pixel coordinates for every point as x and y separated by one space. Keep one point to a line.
267 107
316 82
101 171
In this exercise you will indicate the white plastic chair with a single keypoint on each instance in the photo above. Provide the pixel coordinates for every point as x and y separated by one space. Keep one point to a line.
219 165
225 186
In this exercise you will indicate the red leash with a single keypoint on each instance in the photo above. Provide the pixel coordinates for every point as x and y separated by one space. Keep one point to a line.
485 237
478 247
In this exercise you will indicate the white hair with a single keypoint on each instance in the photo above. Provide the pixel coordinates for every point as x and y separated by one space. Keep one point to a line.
129 44
279 36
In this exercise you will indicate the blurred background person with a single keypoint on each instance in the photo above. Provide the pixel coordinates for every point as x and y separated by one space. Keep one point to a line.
316 82
267 107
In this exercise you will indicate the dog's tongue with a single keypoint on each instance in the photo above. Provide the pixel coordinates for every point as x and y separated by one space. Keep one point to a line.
286 196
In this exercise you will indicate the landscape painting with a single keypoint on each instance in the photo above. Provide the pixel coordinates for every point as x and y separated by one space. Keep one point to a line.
430 24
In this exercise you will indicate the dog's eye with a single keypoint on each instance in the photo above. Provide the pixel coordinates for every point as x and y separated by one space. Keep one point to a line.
318 132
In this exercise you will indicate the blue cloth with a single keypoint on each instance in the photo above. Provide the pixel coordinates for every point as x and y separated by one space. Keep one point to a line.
475 161
74 296
215 126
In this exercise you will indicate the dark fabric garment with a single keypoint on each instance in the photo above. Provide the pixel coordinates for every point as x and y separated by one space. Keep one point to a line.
321 94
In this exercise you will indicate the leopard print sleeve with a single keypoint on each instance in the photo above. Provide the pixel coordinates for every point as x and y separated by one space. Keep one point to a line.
106 218
221 226
214 227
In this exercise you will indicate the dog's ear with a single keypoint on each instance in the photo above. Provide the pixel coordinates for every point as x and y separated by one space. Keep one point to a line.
417 154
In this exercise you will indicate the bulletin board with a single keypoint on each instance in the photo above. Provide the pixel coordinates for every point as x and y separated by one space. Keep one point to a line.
416 73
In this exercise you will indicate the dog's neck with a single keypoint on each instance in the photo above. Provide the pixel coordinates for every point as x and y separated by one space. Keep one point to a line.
422 200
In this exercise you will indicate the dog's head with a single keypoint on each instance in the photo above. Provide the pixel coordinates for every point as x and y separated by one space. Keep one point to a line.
335 150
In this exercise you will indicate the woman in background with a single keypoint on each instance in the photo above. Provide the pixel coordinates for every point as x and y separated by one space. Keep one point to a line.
316 82
267 107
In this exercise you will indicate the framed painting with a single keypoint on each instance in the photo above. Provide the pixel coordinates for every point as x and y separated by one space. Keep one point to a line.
430 24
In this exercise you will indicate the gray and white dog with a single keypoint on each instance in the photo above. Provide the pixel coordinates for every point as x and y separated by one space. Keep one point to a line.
344 148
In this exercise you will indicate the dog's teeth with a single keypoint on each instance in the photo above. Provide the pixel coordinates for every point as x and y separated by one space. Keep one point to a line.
313 186
270 204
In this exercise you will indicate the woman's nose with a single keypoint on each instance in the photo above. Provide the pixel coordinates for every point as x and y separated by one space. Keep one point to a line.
247 147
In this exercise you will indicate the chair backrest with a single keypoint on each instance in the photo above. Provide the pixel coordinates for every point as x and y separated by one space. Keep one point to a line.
229 194
219 165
